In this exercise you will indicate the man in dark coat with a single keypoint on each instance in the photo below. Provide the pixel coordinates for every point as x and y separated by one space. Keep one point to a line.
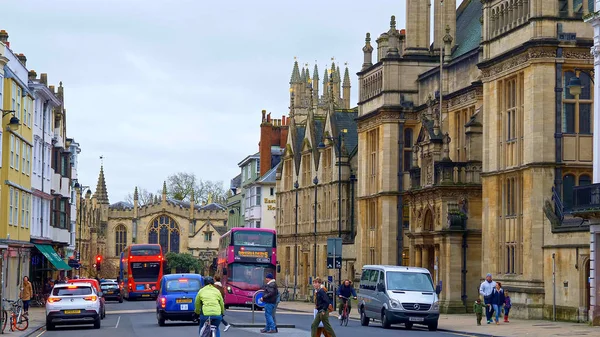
270 299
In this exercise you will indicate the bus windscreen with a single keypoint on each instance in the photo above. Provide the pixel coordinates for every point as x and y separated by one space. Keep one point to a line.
251 238
145 271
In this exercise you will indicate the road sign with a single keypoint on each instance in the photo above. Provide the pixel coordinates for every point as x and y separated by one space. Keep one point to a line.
334 253
258 298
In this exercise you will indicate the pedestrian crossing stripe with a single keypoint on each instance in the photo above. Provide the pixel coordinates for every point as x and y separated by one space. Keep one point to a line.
139 311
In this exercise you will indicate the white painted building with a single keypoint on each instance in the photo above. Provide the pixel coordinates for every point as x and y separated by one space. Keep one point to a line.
41 180
74 149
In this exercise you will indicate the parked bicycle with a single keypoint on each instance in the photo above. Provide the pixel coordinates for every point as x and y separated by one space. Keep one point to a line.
345 311
18 320
285 295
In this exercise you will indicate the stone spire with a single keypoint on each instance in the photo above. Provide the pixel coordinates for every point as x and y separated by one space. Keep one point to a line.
394 40
346 78
135 194
164 192
346 88
307 78
101 193
295 74
303 75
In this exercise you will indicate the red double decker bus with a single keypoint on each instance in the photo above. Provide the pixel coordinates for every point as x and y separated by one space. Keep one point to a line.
141 268
246 256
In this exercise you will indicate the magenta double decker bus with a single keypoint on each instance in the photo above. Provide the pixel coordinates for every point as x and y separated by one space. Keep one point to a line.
246 256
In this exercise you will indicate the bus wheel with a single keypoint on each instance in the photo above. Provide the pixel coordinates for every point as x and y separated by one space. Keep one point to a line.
226 306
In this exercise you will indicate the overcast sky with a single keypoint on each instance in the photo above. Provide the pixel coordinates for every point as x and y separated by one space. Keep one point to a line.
159 87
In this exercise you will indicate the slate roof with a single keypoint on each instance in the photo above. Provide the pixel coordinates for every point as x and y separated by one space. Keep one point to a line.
468 27
319 127
300 132
121 205
428 125
346 120
236 182
269 177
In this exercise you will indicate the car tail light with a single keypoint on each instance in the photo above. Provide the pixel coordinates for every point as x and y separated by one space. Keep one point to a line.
91 298
53 299
163 302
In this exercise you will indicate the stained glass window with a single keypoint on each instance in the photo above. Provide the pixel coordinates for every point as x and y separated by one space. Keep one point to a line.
165 231
120 239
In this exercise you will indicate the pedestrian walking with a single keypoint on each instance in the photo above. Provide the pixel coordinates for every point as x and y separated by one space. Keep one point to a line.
507 306
270 299
486 289
320 329
209 304
478 310
26 294
498 301
322 305
219 286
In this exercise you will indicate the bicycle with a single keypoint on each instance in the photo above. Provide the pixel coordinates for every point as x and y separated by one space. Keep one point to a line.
209 327
345 311
18 320
285 295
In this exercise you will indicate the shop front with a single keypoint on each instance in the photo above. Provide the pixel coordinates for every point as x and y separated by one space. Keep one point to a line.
46 263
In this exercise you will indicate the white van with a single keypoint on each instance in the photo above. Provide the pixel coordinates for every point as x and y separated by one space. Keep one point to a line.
396 294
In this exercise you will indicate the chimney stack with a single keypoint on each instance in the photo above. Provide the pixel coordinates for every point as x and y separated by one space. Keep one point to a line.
32 75
23 59
44 79
4 38
264 112
51 87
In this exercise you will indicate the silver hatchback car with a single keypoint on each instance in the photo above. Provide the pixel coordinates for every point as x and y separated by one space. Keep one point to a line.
70 304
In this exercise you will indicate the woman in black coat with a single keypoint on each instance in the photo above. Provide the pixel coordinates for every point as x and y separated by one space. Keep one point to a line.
498 301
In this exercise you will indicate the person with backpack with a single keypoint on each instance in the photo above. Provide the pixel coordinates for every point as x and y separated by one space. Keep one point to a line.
322 305
219 286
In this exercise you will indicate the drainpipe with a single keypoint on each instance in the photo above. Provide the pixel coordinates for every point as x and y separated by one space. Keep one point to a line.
352 181
553 286
400 207
45 106
463 296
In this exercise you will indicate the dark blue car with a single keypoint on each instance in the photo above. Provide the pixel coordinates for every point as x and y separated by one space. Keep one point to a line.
176 296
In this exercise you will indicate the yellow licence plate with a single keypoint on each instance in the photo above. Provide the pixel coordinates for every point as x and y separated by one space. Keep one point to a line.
183 300
145 295
72 311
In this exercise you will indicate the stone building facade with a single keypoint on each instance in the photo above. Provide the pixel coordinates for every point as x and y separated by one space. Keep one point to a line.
501 130
321 140
180 227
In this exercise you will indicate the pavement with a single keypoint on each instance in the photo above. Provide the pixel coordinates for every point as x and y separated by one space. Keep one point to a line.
467 324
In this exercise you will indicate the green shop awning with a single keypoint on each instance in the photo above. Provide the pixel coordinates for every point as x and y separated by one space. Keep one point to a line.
53 257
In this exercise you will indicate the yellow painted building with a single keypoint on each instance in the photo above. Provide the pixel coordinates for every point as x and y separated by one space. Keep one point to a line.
15 175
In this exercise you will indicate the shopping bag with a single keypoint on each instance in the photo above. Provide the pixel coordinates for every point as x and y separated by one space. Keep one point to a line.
315 316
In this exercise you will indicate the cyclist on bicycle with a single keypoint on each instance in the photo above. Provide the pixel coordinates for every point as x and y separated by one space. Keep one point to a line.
209 303
344 291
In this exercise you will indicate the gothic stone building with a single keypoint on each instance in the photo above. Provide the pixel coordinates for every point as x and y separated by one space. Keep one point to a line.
309 165
486 181
180 227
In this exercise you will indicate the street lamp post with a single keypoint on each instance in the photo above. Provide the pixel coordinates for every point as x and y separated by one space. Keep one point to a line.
80 188
316 182
296 243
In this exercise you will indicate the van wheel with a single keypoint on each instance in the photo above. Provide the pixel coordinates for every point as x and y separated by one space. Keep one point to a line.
408 326
432 326
384 321
364 320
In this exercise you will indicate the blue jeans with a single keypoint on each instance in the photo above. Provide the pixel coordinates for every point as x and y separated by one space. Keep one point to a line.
214 320
497 311
269 310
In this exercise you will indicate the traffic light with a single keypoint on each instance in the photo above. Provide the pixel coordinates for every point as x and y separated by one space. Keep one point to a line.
98 262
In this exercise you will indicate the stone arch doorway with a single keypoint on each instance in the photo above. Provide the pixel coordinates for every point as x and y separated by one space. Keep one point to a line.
165 231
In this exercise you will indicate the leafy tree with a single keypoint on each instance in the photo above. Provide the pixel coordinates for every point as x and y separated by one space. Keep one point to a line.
181 185
145 197
183 262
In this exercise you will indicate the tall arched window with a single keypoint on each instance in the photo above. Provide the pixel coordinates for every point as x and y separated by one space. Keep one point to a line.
568 184
120 239
164 231
428 221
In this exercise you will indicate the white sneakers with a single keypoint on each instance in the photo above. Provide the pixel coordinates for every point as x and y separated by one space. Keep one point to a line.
227 327
340 317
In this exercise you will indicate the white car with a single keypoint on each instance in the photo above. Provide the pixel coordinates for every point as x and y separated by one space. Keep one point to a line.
73 304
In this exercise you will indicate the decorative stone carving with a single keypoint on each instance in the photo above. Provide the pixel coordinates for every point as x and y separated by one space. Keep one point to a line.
519 60
467 97
384 117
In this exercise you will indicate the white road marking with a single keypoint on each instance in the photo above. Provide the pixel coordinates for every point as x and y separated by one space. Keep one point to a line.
118 320
134 311
279 311
41 333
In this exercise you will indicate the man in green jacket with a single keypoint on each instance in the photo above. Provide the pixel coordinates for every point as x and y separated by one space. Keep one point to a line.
209 304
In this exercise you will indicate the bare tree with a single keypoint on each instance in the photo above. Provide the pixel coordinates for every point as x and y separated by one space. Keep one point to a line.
145 197
181 185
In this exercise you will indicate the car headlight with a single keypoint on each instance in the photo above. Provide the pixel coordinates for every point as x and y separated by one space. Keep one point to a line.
436 305
395 304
